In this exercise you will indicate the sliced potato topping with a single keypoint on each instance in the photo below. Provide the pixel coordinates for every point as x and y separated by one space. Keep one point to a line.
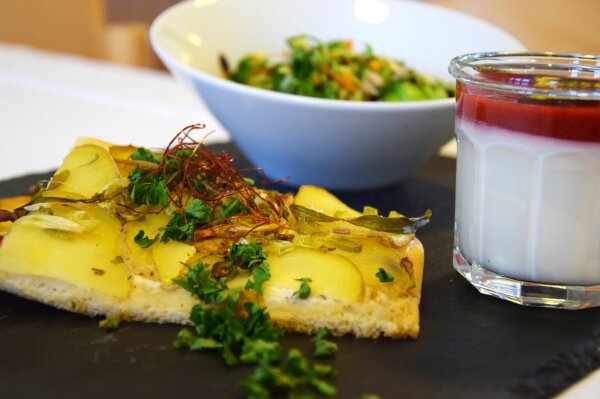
333 276
85 171
93 244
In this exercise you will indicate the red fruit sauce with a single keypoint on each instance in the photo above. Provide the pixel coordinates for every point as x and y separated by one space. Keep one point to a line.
575 120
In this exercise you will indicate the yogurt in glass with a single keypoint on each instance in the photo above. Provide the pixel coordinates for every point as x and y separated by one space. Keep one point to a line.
528 177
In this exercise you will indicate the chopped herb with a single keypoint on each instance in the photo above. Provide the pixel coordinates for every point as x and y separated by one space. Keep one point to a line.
384 276
250 256
260 275
205 343
117 260
110 323
98 272
293 376
246 255
181 227
198 210
220 323
143 154
323 347
248 337
147 185
304 290
209 290
259 350
143 241
147 188
233 208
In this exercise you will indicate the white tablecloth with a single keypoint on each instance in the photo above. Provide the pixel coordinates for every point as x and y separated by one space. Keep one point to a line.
48 100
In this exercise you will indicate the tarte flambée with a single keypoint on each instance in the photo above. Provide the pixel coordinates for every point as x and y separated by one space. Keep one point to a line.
116 225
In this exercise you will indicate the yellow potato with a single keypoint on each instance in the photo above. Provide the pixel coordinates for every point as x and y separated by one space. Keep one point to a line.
140 260
170 258
321 200
89 259
85 171
10 204
332 275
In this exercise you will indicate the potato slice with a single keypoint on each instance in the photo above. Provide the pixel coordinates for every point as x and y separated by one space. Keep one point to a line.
321 200
81 141
170 258
376 254
332 275
140 260
89 259
121 154
10 204
85 171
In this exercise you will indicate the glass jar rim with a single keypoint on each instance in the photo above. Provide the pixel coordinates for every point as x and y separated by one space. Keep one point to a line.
543 75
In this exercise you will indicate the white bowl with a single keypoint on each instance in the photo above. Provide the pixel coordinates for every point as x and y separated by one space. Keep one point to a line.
331 143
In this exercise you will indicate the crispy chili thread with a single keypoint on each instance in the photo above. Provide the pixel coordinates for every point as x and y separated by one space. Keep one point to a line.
218 177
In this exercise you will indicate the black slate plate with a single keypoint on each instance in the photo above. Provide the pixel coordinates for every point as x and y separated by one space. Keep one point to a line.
471 345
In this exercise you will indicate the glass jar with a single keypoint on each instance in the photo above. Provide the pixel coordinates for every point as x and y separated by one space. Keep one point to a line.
527 222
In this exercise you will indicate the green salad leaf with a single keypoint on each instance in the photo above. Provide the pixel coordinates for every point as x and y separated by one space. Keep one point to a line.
334 70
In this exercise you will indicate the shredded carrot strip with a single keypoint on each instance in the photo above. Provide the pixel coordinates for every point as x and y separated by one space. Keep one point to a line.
345 79
374 65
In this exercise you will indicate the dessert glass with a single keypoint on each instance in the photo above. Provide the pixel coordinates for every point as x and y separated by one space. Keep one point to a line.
527 222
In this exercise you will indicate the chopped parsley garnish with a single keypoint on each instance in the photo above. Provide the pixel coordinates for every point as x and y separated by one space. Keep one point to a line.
110 323
323 347
117 260
246 255
143 241
143 154
295 375
147 188
181 227
384 276
249 336
220 323
260 275
304 290
209 290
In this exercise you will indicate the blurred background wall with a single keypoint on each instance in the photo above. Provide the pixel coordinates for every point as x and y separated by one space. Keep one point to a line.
541 25
117 30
